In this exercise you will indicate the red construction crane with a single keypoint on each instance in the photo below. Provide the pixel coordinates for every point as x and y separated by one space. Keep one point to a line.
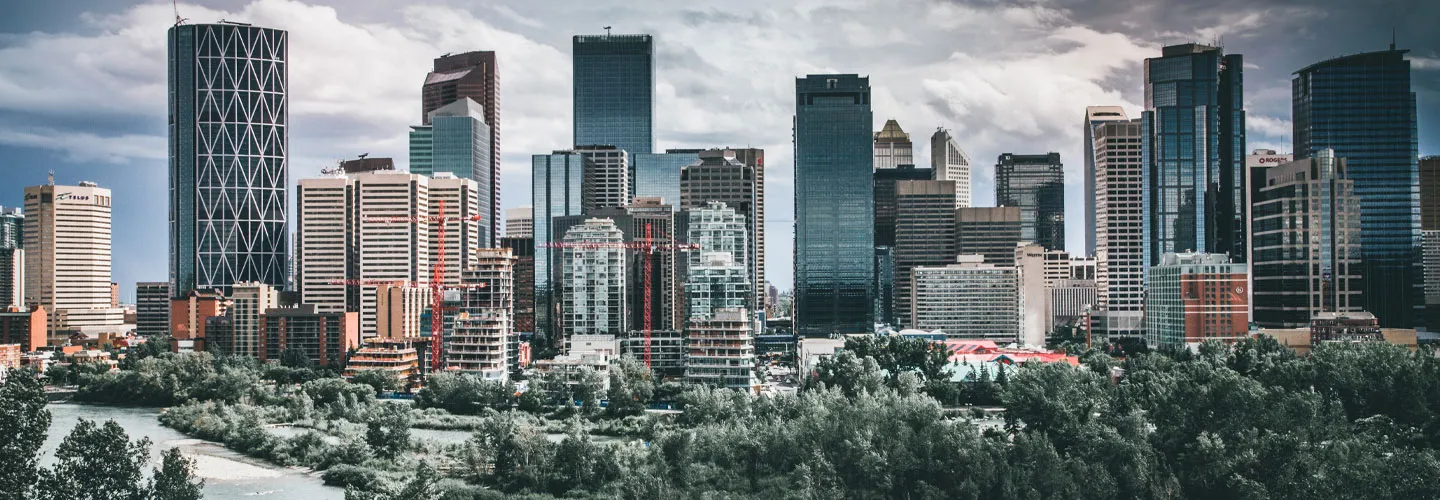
649 245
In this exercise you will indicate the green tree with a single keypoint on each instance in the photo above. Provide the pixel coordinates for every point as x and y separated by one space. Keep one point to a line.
175 478
97 462
23 423
631 385
380 380
388 430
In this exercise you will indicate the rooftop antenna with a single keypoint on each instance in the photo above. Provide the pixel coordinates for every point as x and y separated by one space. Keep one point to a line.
363 155
1392 38
178 20
607 31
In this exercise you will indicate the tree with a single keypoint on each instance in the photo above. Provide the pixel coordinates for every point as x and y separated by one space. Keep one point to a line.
175 478
295 358
388 430
97 462
380 380
631 385
23 423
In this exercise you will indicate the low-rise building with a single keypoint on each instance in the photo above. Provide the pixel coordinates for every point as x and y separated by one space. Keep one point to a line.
1194 297
25 328
9 358
324 338
1344 327
969 299
400 361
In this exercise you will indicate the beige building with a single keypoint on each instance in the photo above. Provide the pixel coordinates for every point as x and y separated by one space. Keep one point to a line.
248 301
67 256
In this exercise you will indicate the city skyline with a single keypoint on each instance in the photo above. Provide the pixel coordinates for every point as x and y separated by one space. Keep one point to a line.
102 119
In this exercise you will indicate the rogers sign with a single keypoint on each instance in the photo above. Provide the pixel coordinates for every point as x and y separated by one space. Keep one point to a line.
1267 160
1272 159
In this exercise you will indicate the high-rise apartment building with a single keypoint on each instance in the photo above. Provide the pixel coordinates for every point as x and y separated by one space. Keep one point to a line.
720 350
991 232
456 143
520 222
1194 133
523 248
229 150
476 76
1429 235
247 302
735 177
893 147
1114 183
592 280
924 233
950 163
1036 184
152 308
556 181
484 327
67 256
606 178
1307 243
716 282
648 221
1194 297
400 310
969 299
834 161
1362 107
12 258
614 91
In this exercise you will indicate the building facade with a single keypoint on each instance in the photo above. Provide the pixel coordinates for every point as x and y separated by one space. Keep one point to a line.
24 327
556 185
1115 182
523 248
247 302
474 75
834 160
1095 116
592 280
614 91
1194 136
480 341
229 120
12 257
657 175
457 143
325 339
969 299
1307 243
520 222
1035 184
67 256
950 163
152 308
720 350
1070 301
716 282
1362 107
1195 297
736 178
606 178
991 232
924 233
893 147
1429 235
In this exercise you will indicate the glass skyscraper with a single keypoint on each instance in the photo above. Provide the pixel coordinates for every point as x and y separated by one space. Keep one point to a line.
658 174
457 141
834 238
1036 184
556 193
229 117
615 91
1361 106
1193 132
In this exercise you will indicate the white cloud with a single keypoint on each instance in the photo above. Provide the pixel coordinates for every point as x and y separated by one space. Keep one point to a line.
1267 126
84 147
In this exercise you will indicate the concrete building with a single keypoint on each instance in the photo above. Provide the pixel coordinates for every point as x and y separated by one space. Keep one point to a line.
716 282
885 219
401 362
991 232
969 299
720 350
1114 185
1070 299
735 177
523 248
476 76
1353 326
606 178
67 256
12 257
924 233
1306 254
614 91
248 301
229 117
326 339
189 315
1429 236
152 308
484 329
592 280
893 147
644 223
456 144
25 328
1033 280
399 310
520 222
950 163
1035 184
1194 297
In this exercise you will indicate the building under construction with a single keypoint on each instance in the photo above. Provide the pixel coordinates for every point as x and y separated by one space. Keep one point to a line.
479 340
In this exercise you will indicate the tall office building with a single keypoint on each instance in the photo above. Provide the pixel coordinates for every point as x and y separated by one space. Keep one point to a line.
657 175
556 181
484 326
614 91
1032 265
12 258
67 256
1194 133
950 163
606 178
634 222
1114 183
523 248
991 232
924 233
1194 297
969 299
1429 235
592 280
834 156
1036 184
520 222
1362 107
893 147
885 217
735 177
457 143
229 150
1307 243
152 308
476 76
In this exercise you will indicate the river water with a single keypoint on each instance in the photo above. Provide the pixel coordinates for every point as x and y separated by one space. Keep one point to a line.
227 474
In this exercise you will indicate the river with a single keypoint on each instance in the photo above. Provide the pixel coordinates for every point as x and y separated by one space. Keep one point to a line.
227 474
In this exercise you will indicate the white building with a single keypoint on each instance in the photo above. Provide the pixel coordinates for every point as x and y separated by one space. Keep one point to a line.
720 350
592 280
519 222
478 341
950 163
969 299
716 282
1036 269
248 301
1114 184
893 147
67 256
1069 299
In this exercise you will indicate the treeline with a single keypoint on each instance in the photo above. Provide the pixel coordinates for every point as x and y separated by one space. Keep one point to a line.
95 461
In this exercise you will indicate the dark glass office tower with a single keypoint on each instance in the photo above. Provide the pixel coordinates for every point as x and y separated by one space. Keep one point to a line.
1193 146
229 117
1036 184
615 91
474 75
556 183
1361 106
834 238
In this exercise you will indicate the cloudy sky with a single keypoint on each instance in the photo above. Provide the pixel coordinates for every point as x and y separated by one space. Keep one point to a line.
82 82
